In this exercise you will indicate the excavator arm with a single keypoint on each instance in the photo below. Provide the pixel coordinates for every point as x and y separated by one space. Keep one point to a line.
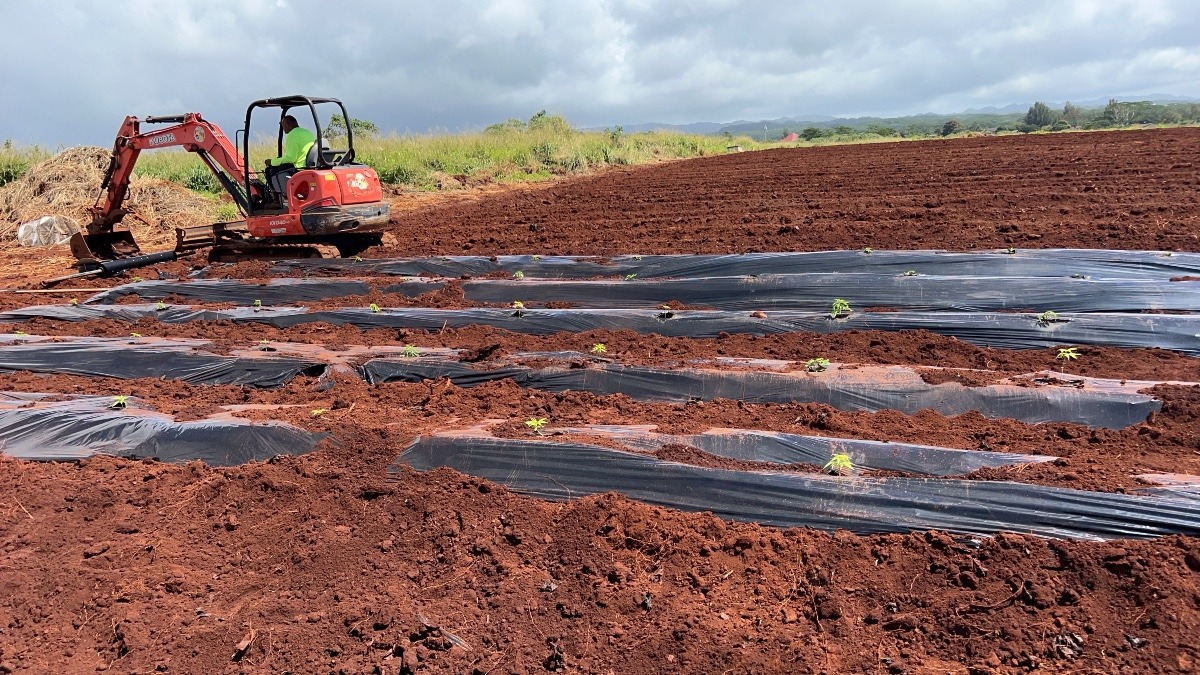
191 132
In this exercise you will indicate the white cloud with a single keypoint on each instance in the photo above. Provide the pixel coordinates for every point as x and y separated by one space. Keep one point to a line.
75 68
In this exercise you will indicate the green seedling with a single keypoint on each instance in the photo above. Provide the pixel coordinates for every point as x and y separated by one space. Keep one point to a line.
119 402
73 301
1047 317
374 308
1068 354
536 423
1010 250
840 307
537 258
638 257
137 280
410 352
358 258
839 464
258 304
910 273
518 274
160 306
519 306
599 348
20 333
318 412
630 277
868 250
817 365
135 335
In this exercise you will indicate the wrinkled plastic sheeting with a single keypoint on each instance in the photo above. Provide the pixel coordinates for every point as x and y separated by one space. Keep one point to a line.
1091 263
815 292
1004 331
863 389
805 292
157 358
46 231
1180 485
80 428
272 292
563 471
782 448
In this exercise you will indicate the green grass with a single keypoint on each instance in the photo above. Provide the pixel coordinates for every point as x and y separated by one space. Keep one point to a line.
15 160
446 161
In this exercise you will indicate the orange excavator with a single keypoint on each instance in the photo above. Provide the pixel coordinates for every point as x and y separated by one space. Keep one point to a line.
332 205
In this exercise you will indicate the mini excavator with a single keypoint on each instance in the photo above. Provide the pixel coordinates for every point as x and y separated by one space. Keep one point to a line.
332 206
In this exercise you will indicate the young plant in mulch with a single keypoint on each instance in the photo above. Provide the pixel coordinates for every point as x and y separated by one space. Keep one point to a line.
518 274
817 365
839 465
599 348
536 424
910 273
20 333
868 250
537 258
839 308
317 412
161 306
519 306
258 305
410 352
73 301
1010 250
358 258
375 308
630 277
135 335
119 402
1048 317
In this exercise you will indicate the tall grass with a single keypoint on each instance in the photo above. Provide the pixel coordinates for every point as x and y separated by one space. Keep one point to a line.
15 160
447 161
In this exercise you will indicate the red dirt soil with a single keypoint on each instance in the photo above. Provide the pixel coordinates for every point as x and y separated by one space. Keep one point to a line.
329 564
1114 190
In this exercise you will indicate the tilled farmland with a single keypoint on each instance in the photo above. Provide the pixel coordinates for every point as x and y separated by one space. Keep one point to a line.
897 408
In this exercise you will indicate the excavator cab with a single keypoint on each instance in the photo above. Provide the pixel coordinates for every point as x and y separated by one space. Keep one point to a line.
307 111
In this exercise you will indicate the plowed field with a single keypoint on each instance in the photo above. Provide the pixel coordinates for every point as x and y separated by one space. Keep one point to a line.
358 558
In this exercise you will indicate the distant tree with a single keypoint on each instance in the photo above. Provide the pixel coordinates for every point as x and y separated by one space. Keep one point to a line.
811 133
880 130
507 126
843 130
1072 114
1039 115
951 127
552 123
1117 113
362 128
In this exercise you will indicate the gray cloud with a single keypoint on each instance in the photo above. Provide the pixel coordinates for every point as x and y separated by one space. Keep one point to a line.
74 68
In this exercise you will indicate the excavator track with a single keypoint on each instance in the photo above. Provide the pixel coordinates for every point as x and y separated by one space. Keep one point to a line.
244 251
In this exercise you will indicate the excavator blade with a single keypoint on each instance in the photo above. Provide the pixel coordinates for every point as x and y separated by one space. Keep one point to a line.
111 245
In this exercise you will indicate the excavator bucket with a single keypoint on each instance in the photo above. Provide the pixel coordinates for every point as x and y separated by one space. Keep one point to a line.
111 245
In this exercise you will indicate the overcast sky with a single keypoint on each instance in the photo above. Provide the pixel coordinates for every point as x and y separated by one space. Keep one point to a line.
72 69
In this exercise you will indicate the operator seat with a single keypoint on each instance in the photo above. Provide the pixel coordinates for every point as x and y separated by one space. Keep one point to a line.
279 181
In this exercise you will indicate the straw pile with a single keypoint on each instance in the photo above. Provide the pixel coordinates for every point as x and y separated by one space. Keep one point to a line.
68 184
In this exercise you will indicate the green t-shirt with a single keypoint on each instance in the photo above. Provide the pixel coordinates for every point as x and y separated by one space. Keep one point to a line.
295 147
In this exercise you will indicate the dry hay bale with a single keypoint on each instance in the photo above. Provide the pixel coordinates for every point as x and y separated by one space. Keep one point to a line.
68 183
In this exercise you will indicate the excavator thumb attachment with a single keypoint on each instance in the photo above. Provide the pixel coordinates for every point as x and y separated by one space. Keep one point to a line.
111 245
